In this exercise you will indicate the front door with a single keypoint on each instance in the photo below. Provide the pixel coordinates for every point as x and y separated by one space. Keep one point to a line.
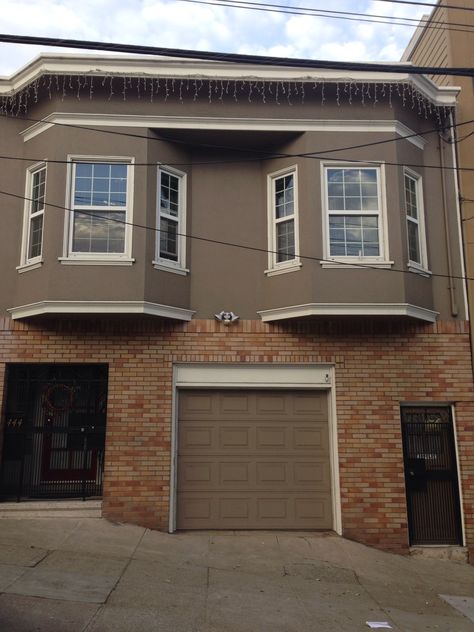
432 488
54 431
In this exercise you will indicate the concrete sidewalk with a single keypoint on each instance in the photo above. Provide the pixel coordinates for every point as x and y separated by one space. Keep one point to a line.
90 575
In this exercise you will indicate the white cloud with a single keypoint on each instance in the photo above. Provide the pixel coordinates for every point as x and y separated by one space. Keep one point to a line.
174 24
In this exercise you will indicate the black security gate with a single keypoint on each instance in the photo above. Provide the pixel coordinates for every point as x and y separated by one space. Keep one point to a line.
434 515
54 431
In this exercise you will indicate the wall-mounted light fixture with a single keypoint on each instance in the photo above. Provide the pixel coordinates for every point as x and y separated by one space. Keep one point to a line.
226 317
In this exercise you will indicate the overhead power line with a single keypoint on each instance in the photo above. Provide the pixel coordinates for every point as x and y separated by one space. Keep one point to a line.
236 58
230 244
262 154
333 14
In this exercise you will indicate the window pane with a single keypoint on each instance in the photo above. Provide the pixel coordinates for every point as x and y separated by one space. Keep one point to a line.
284 196
99 234
352 190
101 170
83 170
336 204
285 237
36 237
95 186
369 190
413 242
335 175
169 194
168 239
353 204
37 192
353 236
411 197
118 171
335 189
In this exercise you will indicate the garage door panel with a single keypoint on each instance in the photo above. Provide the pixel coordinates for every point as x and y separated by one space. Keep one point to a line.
201 474
253 460
239 511
286 438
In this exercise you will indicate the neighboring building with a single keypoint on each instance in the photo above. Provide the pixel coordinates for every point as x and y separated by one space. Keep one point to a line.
446 38
342 366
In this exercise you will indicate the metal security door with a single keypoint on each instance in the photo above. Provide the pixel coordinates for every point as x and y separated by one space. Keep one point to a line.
54 431
434 515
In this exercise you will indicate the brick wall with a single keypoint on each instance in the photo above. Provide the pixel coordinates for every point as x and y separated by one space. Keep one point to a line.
378 365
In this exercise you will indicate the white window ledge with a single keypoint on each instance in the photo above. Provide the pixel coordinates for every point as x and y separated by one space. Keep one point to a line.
159 265
100 307
349 309
73 261
294 266
417 269
353 264
24 267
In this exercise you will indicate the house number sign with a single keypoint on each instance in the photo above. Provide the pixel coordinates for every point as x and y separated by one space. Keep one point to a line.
14 422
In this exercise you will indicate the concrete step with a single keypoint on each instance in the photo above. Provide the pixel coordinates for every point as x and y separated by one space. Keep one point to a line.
51 509
440 552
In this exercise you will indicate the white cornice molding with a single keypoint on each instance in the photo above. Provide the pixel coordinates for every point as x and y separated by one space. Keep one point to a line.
100 307
222 123
349 309
190 69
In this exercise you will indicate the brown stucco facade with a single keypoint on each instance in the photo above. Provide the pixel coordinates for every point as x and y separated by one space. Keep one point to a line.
375 334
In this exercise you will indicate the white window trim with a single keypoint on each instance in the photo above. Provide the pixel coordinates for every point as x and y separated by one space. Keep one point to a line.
161 263
274 267
27 263
415 266
97 258
382 260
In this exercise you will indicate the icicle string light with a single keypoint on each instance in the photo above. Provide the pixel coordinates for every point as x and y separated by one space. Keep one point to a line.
343 92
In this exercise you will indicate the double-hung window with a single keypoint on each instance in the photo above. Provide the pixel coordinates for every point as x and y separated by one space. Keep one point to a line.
100 219
283 221
32 249
417 258
171 216
355 217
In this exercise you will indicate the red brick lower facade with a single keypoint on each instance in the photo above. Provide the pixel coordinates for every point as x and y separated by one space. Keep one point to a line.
377 367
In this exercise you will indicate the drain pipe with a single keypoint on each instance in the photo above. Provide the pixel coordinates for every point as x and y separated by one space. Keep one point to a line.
451 287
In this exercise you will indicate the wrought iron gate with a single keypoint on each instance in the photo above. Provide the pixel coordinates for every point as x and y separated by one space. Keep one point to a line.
54 431
434 515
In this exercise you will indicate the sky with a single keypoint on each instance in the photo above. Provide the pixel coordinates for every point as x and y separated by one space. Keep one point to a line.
191 25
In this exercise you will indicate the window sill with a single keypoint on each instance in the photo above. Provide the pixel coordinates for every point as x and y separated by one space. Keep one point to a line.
417 269
25 267
294 266
76 261
159 265
361 264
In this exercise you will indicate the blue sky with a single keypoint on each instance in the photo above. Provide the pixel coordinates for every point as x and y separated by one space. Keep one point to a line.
178 24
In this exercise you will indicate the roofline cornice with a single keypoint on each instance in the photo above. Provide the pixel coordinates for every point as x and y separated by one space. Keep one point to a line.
168 67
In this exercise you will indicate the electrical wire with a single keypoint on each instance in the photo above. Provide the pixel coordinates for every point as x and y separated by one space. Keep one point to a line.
333 14
259 60
224 243
321 155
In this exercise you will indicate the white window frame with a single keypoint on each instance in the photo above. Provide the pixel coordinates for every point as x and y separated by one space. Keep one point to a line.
422 265
379 261
27 262
162 263
280 267
98 258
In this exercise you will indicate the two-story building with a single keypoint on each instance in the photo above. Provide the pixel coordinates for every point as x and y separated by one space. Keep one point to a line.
233 297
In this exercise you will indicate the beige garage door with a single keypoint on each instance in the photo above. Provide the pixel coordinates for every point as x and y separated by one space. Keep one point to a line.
253 459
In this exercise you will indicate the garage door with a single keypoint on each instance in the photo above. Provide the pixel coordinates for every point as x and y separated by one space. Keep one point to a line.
253 459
